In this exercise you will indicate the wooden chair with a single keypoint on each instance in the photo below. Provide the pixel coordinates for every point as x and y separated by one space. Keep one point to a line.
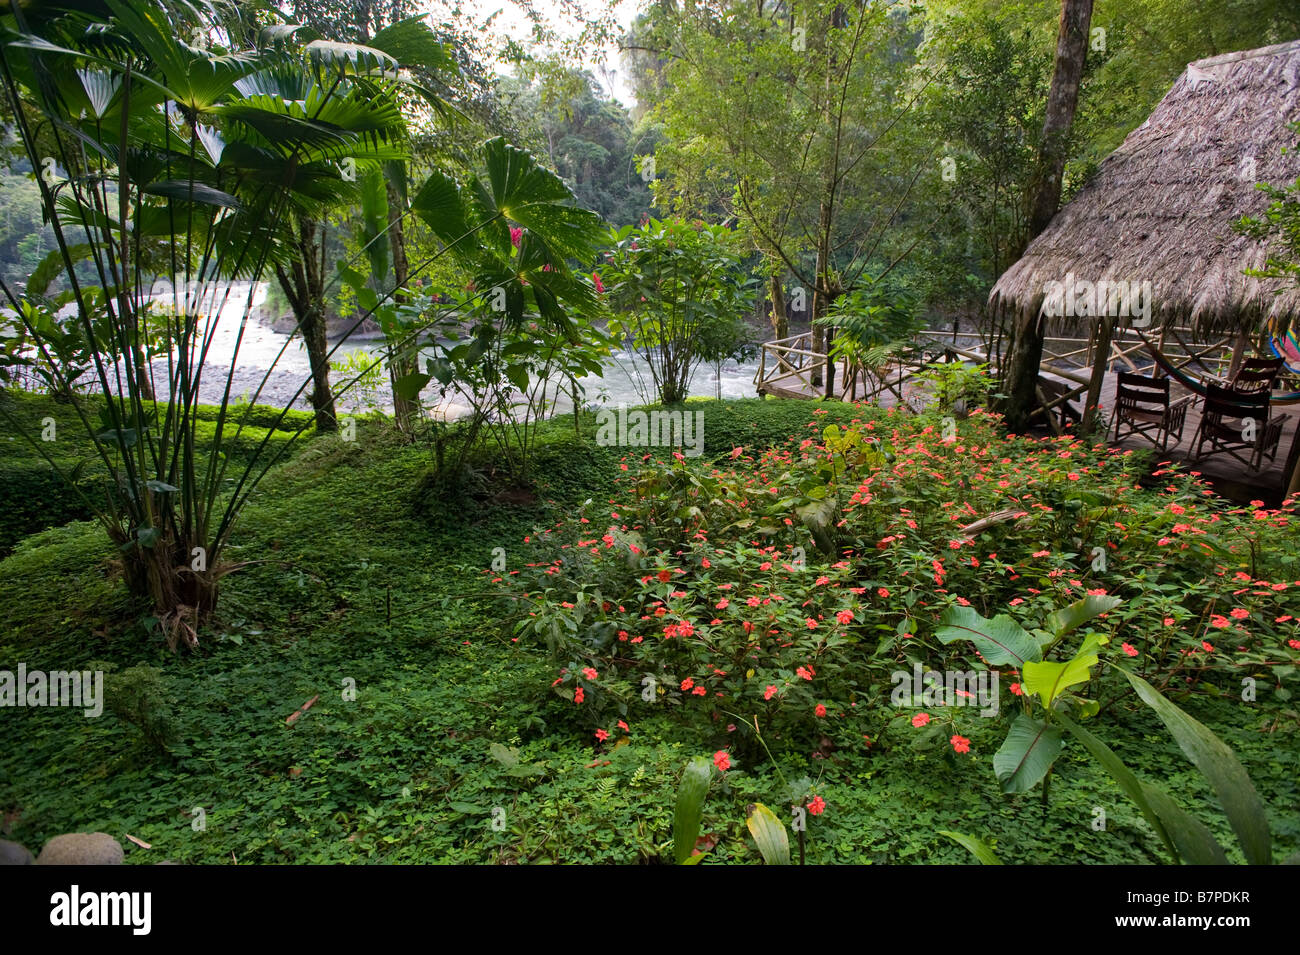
1145 406
1234 421
1255 374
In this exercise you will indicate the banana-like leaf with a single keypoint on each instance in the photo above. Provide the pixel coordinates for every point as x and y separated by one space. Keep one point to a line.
1001 641
1220 766
1128 782
976 847
769 835
1195 843
1050 679
1075 615
1027 754
690 807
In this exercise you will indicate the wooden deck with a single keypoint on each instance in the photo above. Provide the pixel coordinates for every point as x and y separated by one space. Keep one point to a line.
788 371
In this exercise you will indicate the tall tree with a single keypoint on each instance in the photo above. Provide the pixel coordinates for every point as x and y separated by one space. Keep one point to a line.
796 118
1026 355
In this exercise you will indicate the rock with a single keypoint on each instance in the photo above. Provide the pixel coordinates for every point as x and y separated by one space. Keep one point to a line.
11 853
82 848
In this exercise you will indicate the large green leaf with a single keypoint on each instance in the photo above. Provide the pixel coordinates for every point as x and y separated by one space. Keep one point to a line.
188 191
769 835
441 205
413 44
1075 615
1026 754
1195 843
1128 782
520 189
976 847
819 518
1221 767
1001 641
690 807
1050 679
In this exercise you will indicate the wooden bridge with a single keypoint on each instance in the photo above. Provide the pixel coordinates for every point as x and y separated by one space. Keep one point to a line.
791 368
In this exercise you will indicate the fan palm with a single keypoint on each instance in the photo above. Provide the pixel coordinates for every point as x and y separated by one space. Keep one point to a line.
163 157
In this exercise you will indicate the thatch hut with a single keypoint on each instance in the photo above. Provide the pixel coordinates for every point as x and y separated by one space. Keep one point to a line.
1161 207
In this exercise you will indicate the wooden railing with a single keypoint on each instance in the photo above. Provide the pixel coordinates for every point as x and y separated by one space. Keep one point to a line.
791 367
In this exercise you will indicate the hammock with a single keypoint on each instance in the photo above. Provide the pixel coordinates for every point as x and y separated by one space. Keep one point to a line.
1288 349
1195 385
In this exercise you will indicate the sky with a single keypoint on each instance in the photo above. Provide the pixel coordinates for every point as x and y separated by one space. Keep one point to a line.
511 21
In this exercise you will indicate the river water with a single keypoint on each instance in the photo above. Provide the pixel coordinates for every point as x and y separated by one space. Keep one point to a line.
272 369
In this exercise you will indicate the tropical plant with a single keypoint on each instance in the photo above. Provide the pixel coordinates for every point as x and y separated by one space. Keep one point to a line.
957 387
181 159
874 325
527 312
675 290
1035 739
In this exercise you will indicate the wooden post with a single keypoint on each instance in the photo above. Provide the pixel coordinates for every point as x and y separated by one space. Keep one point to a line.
1292 469
1101 358
830 365
1238 353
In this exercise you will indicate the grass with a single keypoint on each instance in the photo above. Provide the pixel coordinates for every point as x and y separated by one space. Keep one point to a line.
359 581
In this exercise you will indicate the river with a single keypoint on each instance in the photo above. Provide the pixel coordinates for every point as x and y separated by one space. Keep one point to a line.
264 362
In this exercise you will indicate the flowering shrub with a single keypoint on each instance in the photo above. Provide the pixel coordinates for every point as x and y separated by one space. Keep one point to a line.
785 585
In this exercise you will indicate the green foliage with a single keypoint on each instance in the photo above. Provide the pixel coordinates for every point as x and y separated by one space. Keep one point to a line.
690 808
957 386
404 772
141 698
677 293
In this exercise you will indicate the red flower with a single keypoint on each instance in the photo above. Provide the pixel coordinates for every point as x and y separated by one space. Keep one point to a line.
722 760
1129 649
516 234
665 576
817 806
578 695
821 710
602 735
771 692
960 744
920 719
589 673
600 287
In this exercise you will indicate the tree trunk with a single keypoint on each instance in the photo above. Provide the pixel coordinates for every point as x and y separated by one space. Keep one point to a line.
1026 354
401 361
304 286
780 318
822 294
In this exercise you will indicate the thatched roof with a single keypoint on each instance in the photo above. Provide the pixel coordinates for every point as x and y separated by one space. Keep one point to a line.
1161 207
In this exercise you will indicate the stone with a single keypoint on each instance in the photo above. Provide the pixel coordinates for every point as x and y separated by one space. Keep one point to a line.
82 848
11 853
